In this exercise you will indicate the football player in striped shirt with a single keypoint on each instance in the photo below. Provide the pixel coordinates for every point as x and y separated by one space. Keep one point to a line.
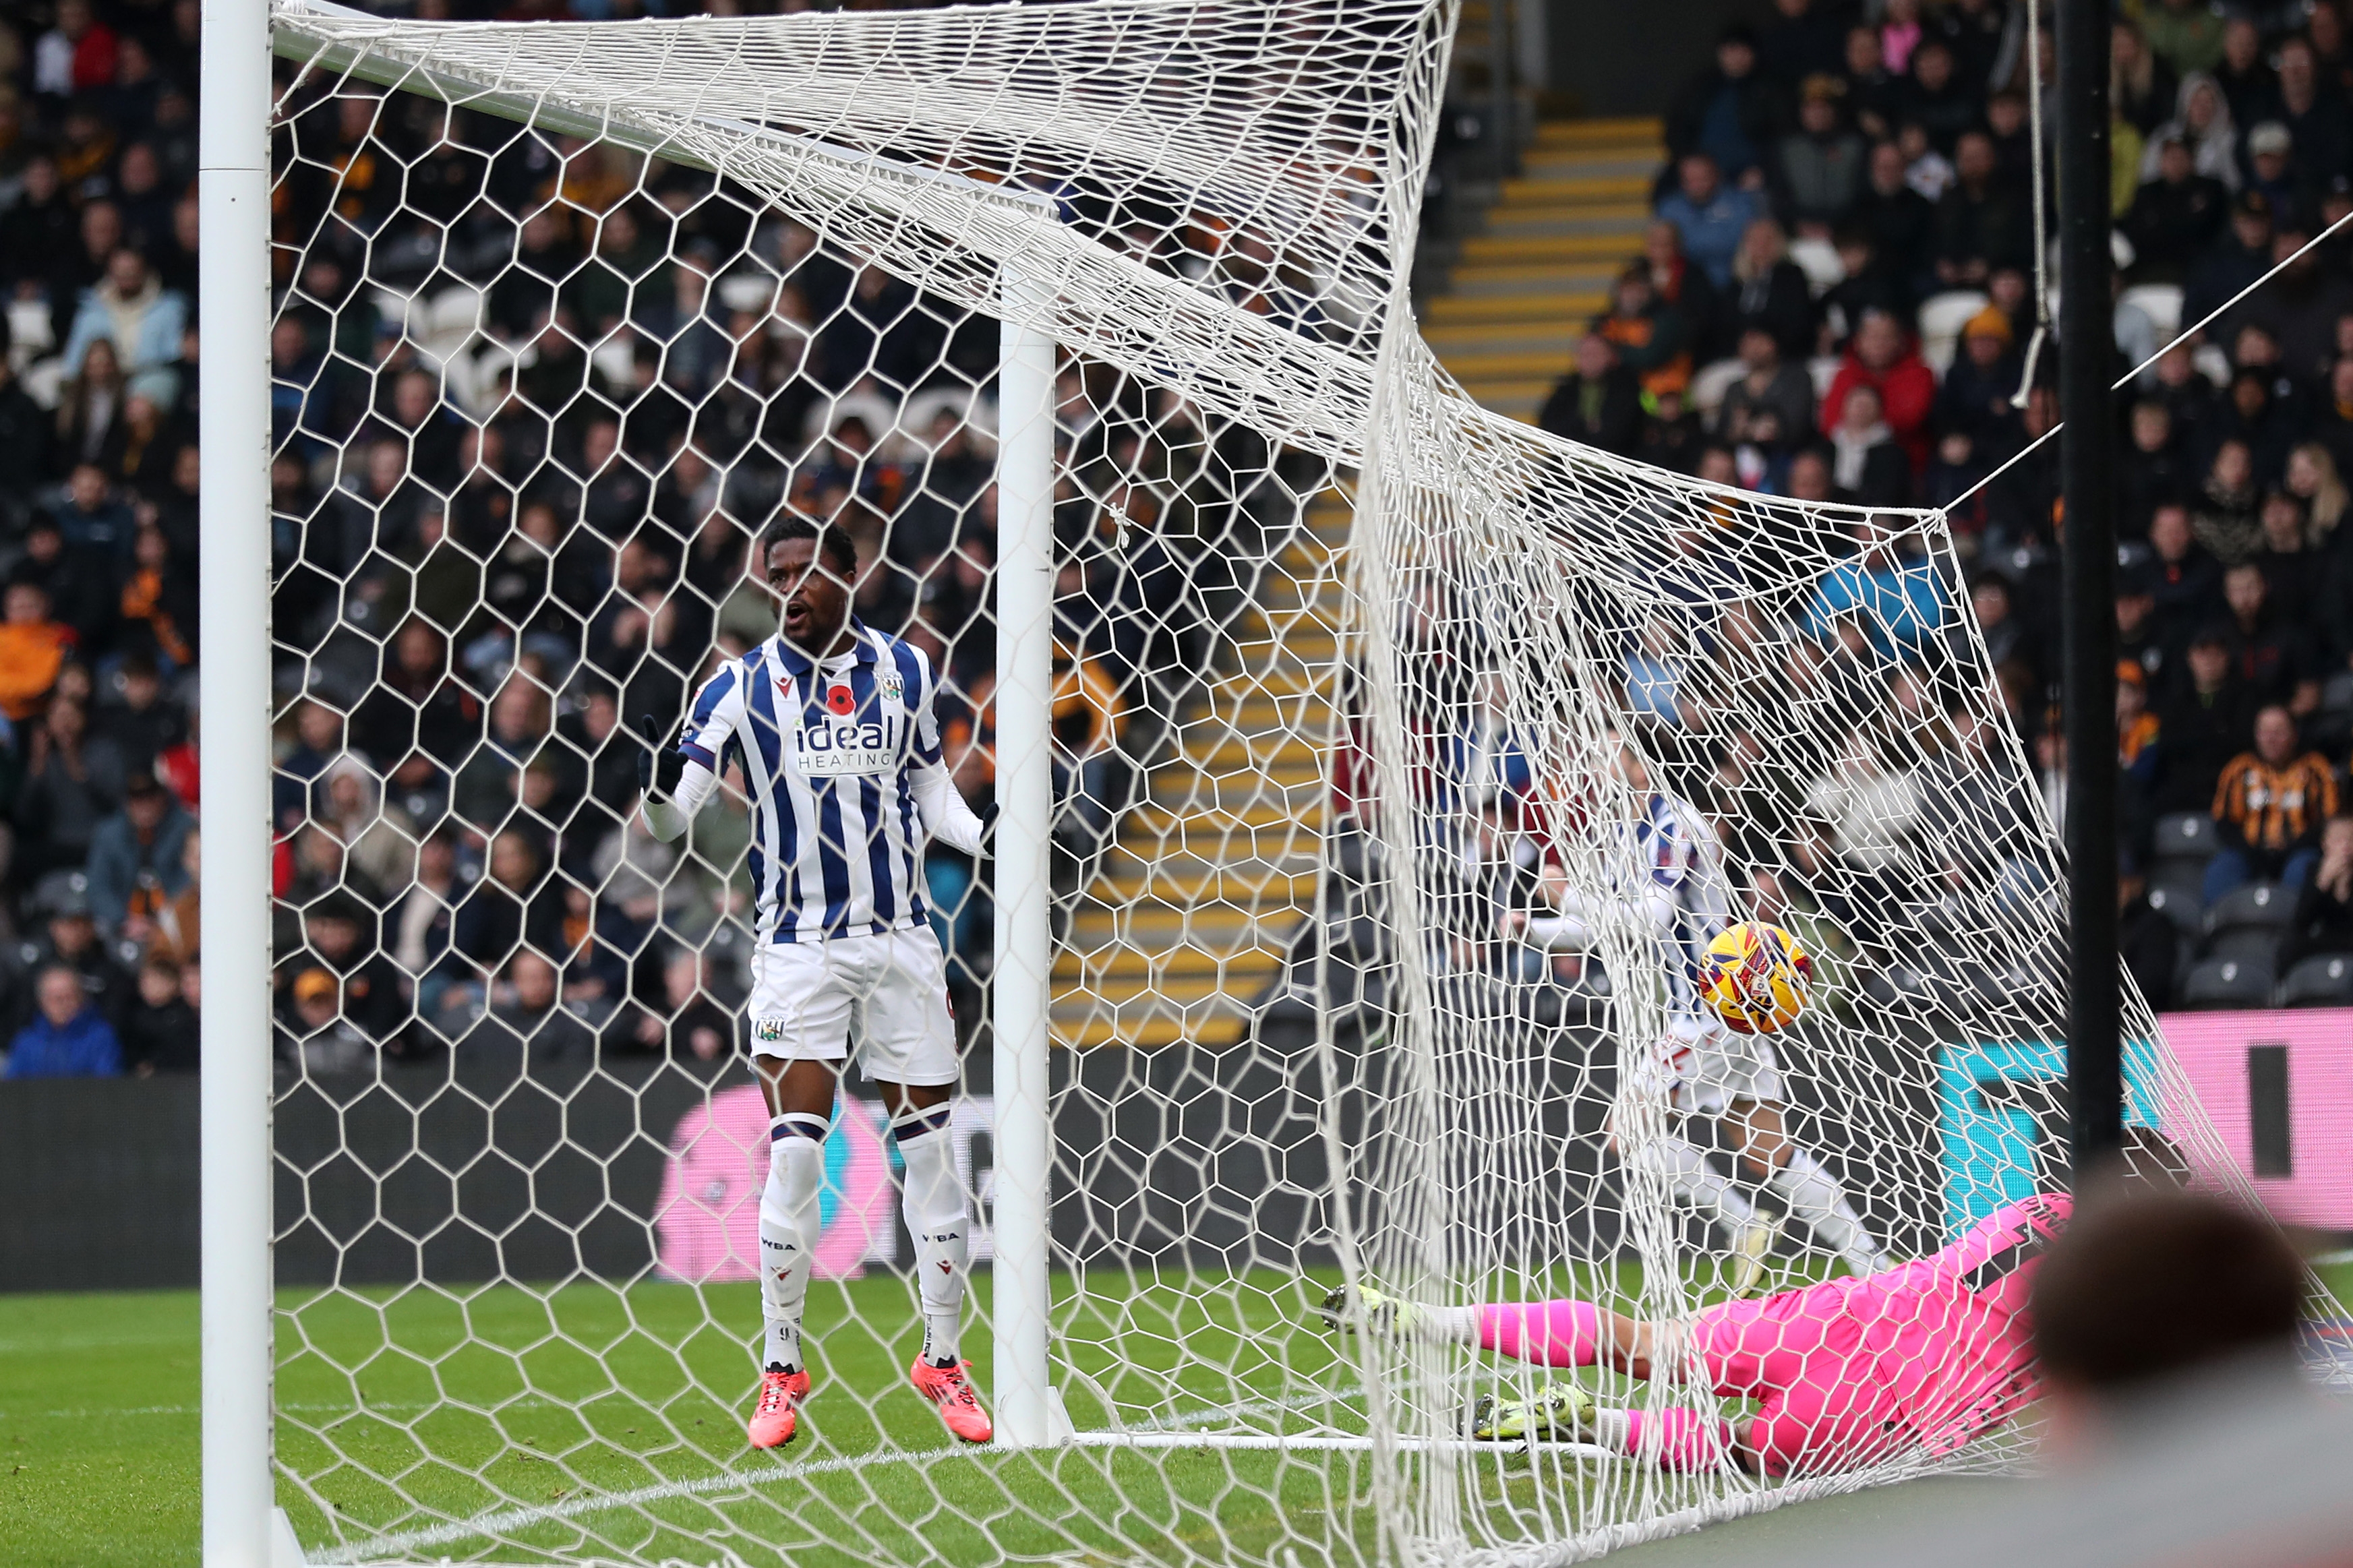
833 726
1703 1068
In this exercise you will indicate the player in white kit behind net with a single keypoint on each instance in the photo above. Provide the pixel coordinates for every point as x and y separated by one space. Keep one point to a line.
1705 1068
832 724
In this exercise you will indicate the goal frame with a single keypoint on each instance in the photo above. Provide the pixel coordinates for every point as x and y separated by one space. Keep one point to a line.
242 1525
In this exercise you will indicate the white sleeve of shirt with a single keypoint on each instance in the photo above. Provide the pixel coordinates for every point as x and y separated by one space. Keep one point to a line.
1572 928
941 805
1706 894
666 819
710 723
946 815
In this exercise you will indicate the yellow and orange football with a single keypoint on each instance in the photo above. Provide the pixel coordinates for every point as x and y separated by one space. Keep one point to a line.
1756 978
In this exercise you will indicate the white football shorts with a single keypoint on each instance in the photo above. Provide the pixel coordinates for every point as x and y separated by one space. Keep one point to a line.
884 995
1706 1067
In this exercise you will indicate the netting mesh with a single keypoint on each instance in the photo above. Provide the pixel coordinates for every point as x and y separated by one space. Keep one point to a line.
1402 759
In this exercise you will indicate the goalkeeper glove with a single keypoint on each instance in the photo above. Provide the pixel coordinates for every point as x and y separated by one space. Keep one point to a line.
660 765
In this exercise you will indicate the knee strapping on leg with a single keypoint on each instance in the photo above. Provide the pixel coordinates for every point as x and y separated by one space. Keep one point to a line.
933 1200
789 1209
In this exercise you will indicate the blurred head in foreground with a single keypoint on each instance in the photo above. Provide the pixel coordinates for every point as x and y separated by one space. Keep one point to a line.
2150 1283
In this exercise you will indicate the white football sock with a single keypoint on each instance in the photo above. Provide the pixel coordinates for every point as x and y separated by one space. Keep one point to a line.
1693 1182
1815 1196
790 1223
1450 1325
1613 1428
932 1201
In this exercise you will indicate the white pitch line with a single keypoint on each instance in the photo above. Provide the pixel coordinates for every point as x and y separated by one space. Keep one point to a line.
1169 1433
1317 1443
502 1521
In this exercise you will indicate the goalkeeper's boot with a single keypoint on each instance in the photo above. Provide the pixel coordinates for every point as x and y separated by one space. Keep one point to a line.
950 1392
1751 1244
1382 1314
778 1414
1555 1410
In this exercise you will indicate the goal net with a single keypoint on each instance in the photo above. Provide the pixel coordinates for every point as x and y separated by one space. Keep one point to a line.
1364 769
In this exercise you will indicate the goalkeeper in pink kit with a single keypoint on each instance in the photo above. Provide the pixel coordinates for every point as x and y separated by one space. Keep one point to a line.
1928 1353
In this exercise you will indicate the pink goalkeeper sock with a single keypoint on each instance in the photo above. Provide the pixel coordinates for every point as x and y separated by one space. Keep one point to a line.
1681 1439
1557 1333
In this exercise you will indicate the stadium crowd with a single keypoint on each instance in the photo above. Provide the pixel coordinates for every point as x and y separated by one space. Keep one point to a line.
1835 304
530 400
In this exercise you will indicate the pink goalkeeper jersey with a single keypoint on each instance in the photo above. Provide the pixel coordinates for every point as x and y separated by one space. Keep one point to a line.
1947 1336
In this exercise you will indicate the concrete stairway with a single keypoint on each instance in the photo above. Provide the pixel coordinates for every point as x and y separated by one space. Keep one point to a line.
1186 931
1508 327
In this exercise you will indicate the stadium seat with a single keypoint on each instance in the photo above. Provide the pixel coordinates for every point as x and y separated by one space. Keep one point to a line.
1710 384
2185 835
2257 943
916 414
2176 898
2265 904
2324 980
1819 260
2225 982
2337 693
1942 317
2161 303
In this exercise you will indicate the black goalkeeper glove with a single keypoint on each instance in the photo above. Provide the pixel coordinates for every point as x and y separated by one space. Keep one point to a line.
659 766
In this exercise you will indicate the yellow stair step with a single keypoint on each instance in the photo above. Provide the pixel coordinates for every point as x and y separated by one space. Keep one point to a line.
1293 891
1176 990
1497 391
1516 308
1524 280
1643 129
1225 828
1507 365
1578 190
1592 259
1231 752
1104 1034
1123 960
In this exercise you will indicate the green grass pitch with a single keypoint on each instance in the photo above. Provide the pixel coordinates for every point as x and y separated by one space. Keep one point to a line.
586 1393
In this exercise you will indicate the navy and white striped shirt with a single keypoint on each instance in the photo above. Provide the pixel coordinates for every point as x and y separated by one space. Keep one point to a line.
1685 859
830 754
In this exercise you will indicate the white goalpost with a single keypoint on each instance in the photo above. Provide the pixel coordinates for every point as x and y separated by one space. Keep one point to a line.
1365 771
241 1527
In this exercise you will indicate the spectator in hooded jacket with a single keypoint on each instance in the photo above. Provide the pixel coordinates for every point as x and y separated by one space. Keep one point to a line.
1822 163
1881 358
1729 111
134 857
2174 216
140 318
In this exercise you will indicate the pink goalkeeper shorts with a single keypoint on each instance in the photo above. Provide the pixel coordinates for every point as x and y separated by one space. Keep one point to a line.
1824 1405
